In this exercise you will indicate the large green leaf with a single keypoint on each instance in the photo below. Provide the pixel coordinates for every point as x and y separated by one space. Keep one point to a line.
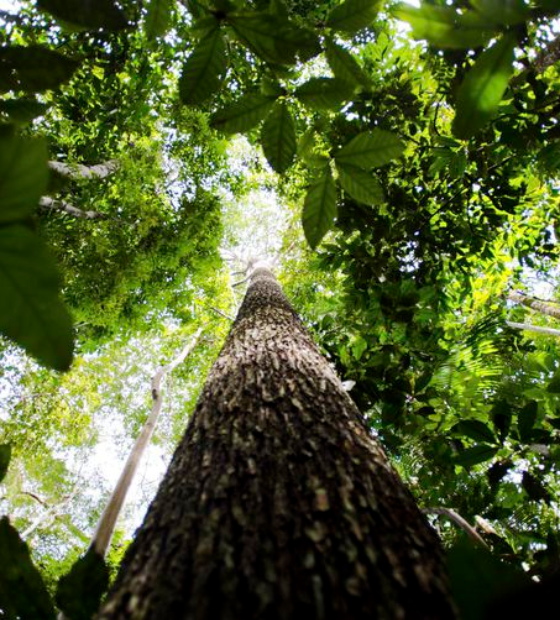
278 138
319 209
5 456
344 65
158 17
80 591
244 114
31 313
22 592
483 88
526 419
87 14
324 93
502 12
273 38
360 184
33 69
475 430
475 455
370 149
23 110
353 15
23 176
443 26
204 70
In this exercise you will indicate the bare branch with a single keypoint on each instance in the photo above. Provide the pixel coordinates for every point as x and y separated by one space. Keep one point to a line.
79 171
459 521
534 328
46 202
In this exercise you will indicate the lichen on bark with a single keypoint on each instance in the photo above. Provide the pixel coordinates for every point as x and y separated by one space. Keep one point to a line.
279 503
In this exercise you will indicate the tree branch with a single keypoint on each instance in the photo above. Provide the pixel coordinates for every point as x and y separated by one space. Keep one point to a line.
459 521
80 171
48 203
534 328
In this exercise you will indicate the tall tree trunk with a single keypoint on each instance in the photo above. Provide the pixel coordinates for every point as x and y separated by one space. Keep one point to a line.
279 503
535 304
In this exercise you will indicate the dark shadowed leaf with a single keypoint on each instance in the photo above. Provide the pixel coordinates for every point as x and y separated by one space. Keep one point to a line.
475 455
23 176
80 591
319 209
479 580
444 27
554 385
278 138
483 88
31 313
23 110
244 114
158 18
22 592
344 65
324 93
33 69
526 419
360 184
353 15
370 149
5 456
204 70
475 430
535 488
501 417
89 15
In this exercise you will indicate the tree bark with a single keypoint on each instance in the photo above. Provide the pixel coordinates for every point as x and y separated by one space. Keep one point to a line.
279 504
46 202
535 304
549 331
80 171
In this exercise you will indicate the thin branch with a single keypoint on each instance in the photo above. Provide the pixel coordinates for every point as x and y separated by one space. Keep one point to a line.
459 521
534 328
217 311
48 203
79 171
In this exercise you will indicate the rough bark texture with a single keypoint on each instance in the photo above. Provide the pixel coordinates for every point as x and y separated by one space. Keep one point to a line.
278 503
535 304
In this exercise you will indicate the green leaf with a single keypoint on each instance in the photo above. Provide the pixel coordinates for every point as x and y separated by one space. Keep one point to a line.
370 149
526 419
33 69
24 176
88 15
444 27
158 18
5 456
475 430
554 385
31 313
353 15
242 115
475 455
79 592
502 12
278 138
22 592
23 110
479 579
483 88
319 209
204 70
344 65
360 184
324 93
275 39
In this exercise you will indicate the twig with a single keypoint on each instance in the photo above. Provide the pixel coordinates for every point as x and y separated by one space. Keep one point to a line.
459 521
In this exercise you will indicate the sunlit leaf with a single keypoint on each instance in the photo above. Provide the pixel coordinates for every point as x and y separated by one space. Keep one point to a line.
204 70
31 313
483 88
243 114
324 93
370 149
22 592
504 12
103 14
353 15
360 184
23 176
33 69
158 17
278 138
344 65
79 592
443 26
319 209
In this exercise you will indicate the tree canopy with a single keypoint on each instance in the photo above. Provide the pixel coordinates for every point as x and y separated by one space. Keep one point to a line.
398 163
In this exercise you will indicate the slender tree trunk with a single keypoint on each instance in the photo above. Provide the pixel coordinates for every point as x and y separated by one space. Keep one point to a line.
535 304
279 504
